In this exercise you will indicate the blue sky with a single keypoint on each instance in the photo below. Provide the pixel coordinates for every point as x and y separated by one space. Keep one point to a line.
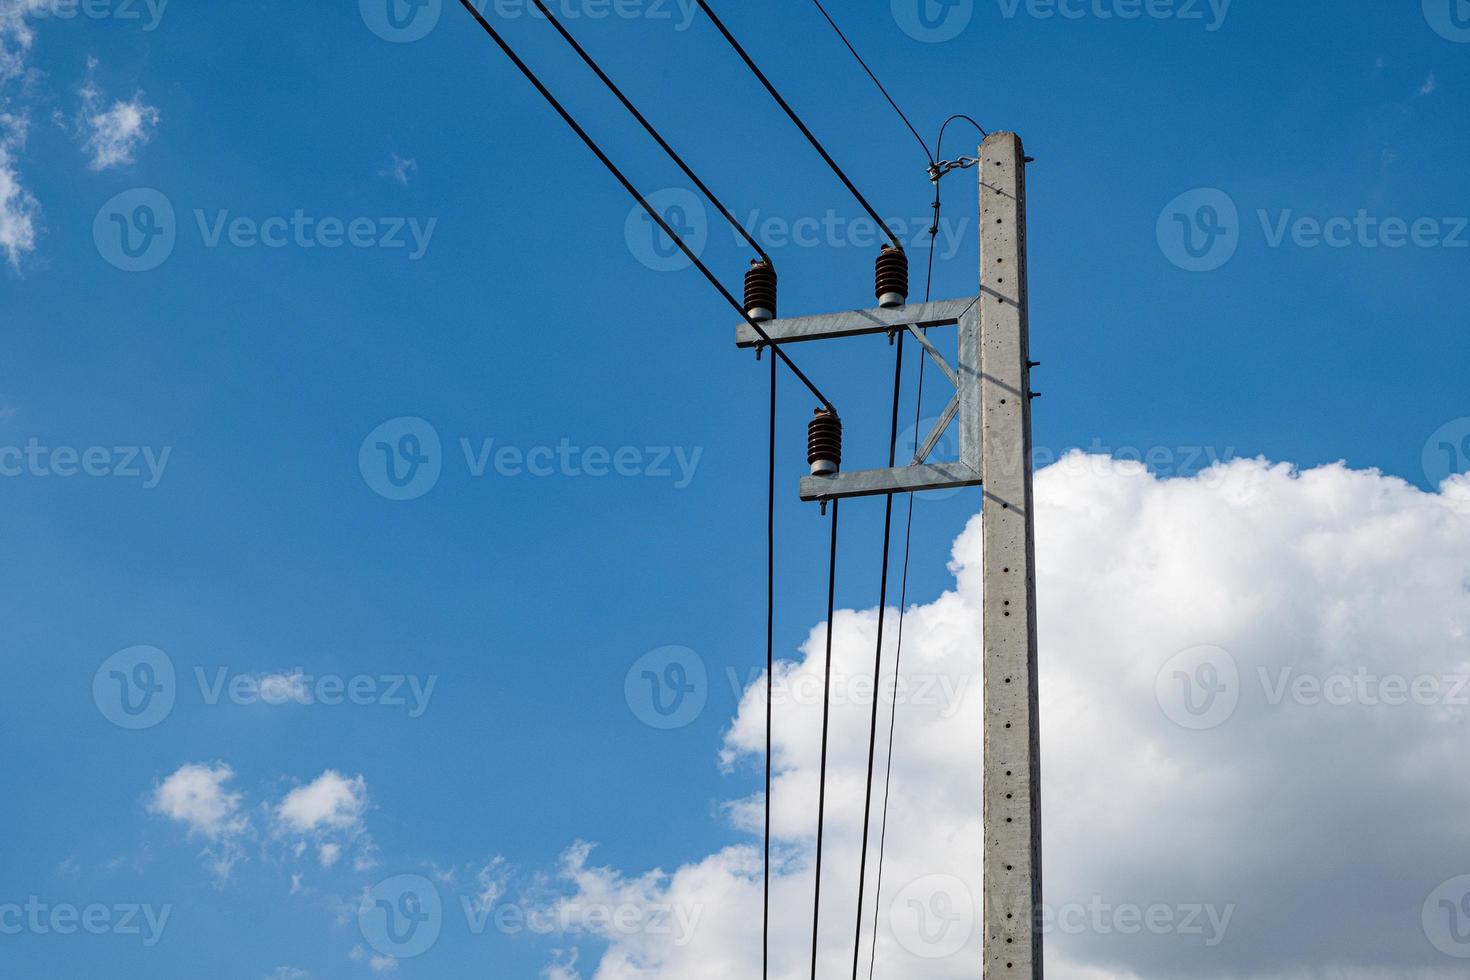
501 292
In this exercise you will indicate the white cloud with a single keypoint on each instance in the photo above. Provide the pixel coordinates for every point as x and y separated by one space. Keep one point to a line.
330 802
288 973
1321 828
284 687
112 134
196 796
16 35
493 880
1430 84
19 209
328 854
383 964
399 169
563 966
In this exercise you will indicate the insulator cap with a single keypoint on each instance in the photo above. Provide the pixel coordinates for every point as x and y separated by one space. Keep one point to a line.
824 442
760 291
892 277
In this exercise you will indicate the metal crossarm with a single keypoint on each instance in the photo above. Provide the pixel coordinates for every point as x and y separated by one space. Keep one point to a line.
965 406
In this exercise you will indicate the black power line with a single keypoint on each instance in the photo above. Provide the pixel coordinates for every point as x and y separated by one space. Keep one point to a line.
936 175
770 667
922 145
648 127
633 191
826 717
857 940
816 143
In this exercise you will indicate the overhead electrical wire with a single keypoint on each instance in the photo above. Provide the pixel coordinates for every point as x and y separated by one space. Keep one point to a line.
936 176
922 145
637 196
826 719
878 658
649 128
770 666
791 113
936 172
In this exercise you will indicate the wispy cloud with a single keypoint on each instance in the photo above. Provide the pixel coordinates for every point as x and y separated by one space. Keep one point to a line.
400 169
19 210
114 133
1430 84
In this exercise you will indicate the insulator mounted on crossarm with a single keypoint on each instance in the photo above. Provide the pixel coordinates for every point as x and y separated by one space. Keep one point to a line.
824 442
760 291
892 277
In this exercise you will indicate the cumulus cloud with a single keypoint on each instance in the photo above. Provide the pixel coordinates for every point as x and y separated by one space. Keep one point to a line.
324 818
111 133
198 797
330 802
1298 834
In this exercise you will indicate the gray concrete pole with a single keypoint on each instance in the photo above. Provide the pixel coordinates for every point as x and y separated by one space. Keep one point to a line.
1012 808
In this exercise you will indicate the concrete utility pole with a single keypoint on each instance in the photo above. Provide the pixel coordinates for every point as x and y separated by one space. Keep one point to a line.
992 407
1012 817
